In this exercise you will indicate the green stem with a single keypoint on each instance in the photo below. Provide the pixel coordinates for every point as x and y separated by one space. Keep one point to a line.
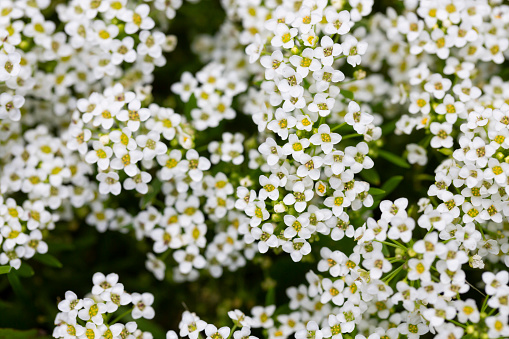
349 136
388 243
484 304
458 324
338 127
391 275
482 232
233 330
121 316
165 255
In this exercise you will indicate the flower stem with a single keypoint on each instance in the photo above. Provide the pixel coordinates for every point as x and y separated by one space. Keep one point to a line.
121 316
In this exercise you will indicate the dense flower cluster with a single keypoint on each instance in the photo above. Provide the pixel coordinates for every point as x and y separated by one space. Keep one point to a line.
326 84
89 317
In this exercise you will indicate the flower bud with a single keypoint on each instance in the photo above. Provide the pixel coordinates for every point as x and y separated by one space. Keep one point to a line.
359 74
280 208
246 181
104 139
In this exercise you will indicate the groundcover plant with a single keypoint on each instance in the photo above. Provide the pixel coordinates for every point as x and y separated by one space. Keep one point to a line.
254 169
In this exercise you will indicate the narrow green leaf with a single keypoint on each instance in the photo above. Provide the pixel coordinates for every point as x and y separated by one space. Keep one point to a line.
270 298
15 283
154 189
48 260
446 151
10 333
376 191
5 269
395 159
189 105
389 127
391 184
426 140
371 176
347 94
385 250
151 326
25 270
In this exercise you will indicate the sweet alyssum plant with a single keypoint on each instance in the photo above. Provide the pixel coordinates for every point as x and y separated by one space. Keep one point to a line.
327 85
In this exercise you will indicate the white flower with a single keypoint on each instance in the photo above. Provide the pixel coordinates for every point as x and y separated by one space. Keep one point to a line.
305 62
255 49
261 316
437 85
194 165
103 283
337 202
419 102
127 160
134 115
265 236
189 258
328 51
353 49
273 64
9 65
322 104
357 158
300 196
151 145
100 155
284 36
442 137
325 139
416 154
213 332
137 19
10 106
142 305
92 311
295 146
109 183
337 23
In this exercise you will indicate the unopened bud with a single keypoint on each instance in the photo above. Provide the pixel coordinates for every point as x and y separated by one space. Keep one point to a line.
246 182
359 74
276 218
104 139
280 208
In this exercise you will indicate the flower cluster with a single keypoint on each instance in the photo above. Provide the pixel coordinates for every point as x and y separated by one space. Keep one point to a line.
90 317
338 95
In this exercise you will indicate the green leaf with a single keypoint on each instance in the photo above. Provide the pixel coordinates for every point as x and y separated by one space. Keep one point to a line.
270 298
395 159
347 94
25 270
189 105
371 176
426 140
154 189
48 260
10 333
5 269
385 250
446 151
151 326
391 184
389 127
376 191
15 283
